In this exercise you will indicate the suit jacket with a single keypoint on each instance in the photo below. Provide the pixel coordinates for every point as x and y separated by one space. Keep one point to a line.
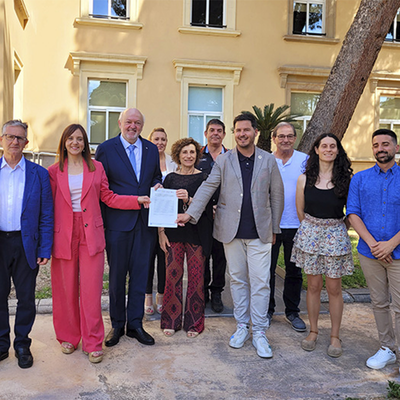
94 188
266 196
122 180
37 214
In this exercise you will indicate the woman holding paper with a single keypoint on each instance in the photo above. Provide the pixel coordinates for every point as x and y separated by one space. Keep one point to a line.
193 240
158 136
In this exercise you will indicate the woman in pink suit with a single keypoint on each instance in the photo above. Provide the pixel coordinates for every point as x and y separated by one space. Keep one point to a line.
78 184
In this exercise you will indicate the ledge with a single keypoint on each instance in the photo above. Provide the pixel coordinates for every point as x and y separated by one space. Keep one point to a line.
391 45
22 12
311 39
194 30
108 23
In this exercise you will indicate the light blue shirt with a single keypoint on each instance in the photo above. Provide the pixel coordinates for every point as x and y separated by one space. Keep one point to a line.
290 172
138 153
12 182
375 197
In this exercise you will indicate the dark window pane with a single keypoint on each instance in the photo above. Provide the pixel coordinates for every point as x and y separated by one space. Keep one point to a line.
389 36
299 18
315 18
118 8
199 12
216 13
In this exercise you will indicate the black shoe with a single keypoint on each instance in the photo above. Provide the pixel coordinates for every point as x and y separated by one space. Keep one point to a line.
141 335
3 355
297 323
216 302
24 355
113 336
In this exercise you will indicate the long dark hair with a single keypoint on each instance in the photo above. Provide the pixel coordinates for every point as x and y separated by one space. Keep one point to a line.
62 151
342 171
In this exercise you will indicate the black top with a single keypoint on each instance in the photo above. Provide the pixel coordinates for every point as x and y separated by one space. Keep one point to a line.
201 233
247 225
323 203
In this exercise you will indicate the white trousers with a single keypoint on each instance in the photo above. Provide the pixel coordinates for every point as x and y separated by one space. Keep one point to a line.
249 263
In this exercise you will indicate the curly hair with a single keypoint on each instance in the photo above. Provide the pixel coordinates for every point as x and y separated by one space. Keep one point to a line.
180 144
342 171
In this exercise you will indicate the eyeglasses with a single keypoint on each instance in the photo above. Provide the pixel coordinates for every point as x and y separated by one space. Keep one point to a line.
11 138
289 137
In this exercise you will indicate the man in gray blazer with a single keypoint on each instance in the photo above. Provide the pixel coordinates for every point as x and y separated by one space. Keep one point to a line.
247 218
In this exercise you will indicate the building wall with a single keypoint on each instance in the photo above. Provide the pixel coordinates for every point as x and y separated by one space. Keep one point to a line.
50 89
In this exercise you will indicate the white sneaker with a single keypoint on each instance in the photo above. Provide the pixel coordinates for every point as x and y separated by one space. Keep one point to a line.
238 339
383 357
260 342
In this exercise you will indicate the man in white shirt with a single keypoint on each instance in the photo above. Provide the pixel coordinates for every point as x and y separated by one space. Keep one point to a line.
291 164
26 236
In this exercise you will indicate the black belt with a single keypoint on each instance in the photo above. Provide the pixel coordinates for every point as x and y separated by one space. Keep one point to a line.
10 234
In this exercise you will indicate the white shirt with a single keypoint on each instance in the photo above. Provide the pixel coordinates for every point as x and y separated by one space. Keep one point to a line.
138 153
75 190
11 195
290 172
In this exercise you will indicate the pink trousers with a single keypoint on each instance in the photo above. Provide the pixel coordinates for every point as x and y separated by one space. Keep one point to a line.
77 286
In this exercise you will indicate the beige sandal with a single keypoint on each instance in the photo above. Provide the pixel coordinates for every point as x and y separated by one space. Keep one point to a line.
159 302
334 351
309 345
192 334
67 347
169 332
148 308
95 356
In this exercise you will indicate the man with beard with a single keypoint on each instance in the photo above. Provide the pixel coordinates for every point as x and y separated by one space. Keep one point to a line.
373 209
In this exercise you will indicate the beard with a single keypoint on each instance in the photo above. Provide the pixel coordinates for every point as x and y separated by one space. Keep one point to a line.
384 157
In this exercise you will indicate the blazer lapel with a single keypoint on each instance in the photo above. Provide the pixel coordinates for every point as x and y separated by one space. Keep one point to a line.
63 183
30 177
87 180
258 161
145 152
124 157
234 159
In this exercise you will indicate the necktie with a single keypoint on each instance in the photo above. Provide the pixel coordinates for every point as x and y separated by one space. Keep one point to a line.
132 157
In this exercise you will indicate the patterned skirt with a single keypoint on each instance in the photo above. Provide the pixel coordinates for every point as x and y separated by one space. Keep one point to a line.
322 246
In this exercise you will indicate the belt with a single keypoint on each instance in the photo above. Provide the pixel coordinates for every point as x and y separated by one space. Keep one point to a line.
10 234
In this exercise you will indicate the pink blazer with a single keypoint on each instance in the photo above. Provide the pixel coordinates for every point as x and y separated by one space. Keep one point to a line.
94 188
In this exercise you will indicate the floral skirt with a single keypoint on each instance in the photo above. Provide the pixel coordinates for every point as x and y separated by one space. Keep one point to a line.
322 246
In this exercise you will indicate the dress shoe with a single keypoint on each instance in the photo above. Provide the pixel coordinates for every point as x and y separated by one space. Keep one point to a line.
113 336
24 355
141 335
216 302
3 355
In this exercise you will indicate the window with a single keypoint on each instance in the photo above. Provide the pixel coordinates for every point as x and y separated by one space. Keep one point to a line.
203 104
303 103
394 31
207 89
389 114
106 100
208 13
209 17
110 13
114 9
309 17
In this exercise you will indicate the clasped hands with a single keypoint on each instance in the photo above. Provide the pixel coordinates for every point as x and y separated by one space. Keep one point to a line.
383 251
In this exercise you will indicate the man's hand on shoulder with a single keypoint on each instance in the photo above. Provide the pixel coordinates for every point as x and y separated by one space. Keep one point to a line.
183 219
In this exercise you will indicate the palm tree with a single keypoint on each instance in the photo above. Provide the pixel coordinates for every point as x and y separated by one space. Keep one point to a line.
267 120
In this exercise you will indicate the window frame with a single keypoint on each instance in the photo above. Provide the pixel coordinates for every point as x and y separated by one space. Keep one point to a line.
109 16
105 109
395 23
229 21
131 21
207 24
219 115
329 36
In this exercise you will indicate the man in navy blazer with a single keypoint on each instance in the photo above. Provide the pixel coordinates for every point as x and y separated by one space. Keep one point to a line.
132 165
26 236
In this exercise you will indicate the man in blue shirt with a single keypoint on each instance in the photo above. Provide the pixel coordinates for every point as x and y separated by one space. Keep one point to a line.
373 209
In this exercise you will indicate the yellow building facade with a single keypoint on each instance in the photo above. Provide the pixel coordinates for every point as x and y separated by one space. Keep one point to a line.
181 62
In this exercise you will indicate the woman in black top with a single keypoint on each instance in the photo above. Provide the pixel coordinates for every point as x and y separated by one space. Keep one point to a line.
322 245
192 240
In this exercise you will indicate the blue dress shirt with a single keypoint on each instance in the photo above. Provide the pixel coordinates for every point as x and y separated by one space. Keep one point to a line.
375 197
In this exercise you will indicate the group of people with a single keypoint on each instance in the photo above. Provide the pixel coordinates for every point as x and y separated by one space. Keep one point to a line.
235 206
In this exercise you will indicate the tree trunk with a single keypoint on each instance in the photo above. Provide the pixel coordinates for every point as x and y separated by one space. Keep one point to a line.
264 143
351 70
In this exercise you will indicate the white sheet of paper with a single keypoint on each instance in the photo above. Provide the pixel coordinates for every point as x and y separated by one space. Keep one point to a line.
163 210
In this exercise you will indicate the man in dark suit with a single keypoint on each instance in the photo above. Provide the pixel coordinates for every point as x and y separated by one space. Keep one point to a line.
132 165
26 236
